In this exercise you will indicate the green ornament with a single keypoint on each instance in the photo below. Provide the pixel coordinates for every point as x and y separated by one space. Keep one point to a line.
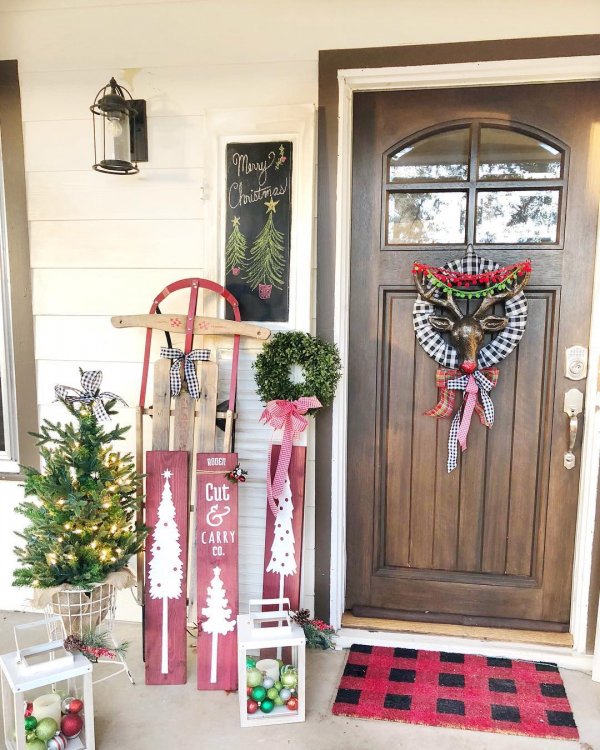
35 744
258 693
46 729
278 686
253 677
30 723
278 701
267 706
272 693
250 662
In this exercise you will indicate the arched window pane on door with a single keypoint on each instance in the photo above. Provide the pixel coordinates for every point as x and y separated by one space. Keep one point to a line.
477 182
443 156
509 155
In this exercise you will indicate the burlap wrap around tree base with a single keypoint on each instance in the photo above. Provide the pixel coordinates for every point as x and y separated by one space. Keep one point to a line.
83 610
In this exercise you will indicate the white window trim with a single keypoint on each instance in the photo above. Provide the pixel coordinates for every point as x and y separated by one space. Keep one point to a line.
488 73
9 457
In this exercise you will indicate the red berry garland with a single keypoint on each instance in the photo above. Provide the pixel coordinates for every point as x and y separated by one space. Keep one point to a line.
458 283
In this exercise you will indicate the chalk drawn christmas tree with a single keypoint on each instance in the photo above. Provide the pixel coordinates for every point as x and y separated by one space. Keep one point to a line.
283 557
166 565
266 263
217 616
235 249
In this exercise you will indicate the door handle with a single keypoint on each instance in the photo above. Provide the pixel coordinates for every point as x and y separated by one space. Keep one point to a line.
573 407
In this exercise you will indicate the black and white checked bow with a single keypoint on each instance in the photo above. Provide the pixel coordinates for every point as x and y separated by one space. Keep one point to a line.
189 369
460 384
90 383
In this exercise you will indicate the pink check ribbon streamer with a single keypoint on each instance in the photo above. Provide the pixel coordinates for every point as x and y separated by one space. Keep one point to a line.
289 417
476 398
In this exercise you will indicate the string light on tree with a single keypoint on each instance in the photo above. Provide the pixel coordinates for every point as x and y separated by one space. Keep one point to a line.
75 478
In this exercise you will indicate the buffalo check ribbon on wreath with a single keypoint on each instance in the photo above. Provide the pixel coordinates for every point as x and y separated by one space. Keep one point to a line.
189 368
476 399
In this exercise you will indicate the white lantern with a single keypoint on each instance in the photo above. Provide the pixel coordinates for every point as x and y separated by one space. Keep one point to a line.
272 630
44 675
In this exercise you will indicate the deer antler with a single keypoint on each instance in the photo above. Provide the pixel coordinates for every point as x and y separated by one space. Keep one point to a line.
490 301
448 303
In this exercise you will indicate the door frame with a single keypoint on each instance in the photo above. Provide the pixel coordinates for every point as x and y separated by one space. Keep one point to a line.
485 73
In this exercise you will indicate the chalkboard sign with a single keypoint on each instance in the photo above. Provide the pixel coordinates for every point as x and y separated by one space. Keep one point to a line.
258 226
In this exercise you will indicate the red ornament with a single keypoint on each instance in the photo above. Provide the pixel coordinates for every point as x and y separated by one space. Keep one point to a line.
75 706
468 366
71 725
252 707
28 709
248 691
292 704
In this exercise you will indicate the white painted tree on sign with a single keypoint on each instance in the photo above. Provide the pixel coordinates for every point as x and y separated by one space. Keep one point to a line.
217 615
283 557
166 565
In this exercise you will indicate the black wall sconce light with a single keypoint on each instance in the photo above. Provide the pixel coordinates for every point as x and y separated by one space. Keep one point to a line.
120 133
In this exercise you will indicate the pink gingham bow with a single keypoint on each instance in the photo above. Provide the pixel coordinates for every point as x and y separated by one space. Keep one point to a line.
289 417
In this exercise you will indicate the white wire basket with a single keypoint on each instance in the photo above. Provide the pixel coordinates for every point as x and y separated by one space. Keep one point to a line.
81 611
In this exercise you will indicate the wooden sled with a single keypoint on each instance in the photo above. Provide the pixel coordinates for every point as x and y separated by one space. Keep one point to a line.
182 424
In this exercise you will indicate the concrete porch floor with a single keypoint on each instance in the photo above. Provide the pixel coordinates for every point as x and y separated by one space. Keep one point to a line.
137 717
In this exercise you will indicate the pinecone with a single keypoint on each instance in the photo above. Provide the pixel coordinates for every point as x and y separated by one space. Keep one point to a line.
73 643
302 617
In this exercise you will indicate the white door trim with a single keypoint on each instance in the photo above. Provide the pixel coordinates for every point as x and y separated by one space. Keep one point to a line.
489 73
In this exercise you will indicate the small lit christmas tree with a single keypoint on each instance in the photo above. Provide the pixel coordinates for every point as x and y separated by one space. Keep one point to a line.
82 515
217 615
266 263
235 249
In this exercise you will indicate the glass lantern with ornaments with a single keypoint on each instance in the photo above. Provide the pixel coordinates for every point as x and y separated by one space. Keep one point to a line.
274 687
47 698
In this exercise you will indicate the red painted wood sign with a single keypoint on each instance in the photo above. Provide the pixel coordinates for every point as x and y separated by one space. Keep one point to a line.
166 567
283 537
217 545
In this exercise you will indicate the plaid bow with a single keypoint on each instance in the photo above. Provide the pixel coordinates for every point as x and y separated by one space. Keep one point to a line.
189 369
477 387
289 417
90 383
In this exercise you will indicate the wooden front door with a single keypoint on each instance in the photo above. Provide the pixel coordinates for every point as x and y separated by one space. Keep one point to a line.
513 171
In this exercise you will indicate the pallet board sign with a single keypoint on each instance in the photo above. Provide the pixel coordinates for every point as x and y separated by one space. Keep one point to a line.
217 570
166 564
283 535
258 228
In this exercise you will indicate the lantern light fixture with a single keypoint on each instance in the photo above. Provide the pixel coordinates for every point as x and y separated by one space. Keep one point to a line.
120 133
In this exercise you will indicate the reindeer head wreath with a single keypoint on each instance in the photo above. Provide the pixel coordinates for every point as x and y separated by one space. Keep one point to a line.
466 364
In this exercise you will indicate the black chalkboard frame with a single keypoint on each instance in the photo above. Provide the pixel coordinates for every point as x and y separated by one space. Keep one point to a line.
257 228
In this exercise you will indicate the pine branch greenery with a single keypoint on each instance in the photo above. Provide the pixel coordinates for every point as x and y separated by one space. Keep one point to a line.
95 645
318 633
83 505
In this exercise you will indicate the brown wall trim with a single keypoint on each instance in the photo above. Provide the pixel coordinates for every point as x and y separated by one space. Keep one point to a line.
18 255
330 61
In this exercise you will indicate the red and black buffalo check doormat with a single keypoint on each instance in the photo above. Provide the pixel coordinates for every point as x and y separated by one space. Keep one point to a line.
455 690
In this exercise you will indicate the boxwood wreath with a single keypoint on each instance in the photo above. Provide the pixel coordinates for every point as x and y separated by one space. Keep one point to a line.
319 360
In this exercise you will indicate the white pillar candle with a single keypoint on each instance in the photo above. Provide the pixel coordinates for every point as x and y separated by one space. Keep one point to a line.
270 667
47 706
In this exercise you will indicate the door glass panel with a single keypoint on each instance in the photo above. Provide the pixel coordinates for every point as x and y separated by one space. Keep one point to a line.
443 156
508 155
423 218
517 216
